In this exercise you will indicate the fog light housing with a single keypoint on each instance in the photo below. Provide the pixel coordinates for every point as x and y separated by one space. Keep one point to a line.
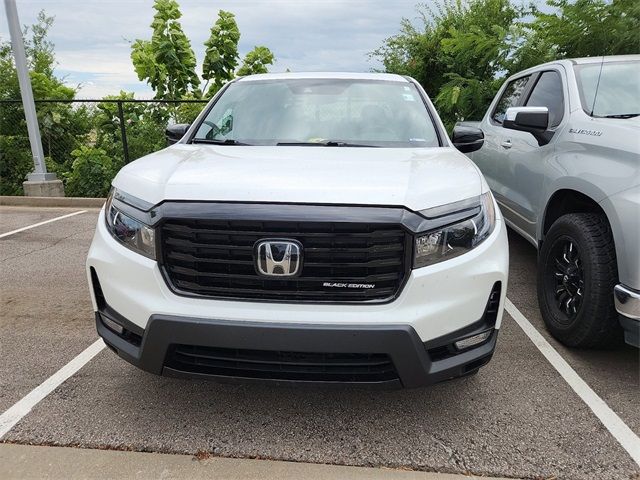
112 325
473 341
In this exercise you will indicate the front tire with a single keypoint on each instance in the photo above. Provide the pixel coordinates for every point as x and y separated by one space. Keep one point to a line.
577 271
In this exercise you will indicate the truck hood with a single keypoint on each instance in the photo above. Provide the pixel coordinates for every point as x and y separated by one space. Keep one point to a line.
414 178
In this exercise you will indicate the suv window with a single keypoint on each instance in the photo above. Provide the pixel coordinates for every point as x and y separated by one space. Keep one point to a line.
548 93
509 98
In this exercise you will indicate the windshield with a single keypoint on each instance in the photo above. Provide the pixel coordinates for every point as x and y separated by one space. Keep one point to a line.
618 92
330 112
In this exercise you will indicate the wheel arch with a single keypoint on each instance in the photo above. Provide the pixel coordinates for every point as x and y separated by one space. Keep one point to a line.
564 201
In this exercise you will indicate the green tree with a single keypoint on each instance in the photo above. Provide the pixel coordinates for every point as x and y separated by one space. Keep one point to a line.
221 55
464 49
167 61
582 28
62 126
459 54
168 64
256 61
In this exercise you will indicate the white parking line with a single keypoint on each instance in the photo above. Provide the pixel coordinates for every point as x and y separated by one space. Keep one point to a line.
41 223
620 431
12 416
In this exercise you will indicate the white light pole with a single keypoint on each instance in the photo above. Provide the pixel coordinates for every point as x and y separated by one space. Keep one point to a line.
45 183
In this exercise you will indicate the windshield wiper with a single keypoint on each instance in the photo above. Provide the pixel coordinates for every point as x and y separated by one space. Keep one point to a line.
220 141
326 143
622 115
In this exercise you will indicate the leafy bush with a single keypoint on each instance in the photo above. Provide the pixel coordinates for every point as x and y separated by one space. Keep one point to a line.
15 163
464 49
91 173
144 123
63 127
187 112
458 54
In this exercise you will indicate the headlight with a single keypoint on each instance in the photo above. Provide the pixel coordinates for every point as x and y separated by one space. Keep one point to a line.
130 232
456 239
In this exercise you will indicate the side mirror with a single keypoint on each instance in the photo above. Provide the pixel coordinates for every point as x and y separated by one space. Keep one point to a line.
175 132
467 138
534 120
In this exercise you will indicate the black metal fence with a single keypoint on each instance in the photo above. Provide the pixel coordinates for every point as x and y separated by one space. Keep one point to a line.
105 134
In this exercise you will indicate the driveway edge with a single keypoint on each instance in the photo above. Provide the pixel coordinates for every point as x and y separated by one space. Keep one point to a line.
29 461
79 202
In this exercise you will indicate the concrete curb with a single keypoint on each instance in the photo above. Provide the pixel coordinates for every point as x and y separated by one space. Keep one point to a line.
27 461
75 202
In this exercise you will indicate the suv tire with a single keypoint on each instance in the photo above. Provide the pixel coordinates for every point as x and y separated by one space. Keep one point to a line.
577 271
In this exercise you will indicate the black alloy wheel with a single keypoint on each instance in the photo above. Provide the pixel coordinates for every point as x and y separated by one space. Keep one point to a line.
577 270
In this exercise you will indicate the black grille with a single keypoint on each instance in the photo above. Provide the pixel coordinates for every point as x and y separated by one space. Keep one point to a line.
215 258
280 365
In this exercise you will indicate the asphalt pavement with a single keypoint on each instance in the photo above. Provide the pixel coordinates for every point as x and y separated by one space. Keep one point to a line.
517 418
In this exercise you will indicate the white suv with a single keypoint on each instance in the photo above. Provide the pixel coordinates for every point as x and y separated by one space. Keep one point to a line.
305 228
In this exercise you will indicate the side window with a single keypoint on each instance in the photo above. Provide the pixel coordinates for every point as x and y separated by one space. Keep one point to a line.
548 93
509 98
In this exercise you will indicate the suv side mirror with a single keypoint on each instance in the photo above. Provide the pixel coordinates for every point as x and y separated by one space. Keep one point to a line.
534 120
175 132
467 138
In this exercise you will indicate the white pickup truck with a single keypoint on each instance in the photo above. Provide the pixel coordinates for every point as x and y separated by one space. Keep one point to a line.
306 228
560 149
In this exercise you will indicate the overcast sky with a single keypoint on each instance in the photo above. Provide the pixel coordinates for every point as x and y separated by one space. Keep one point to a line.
92 36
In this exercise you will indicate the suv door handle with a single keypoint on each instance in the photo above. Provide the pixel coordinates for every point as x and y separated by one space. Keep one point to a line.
506 144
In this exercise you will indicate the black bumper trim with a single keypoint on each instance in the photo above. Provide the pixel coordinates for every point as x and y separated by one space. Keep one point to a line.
401 342
631 327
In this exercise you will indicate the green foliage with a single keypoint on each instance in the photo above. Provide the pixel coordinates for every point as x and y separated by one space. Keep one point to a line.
144 124
38 48
187 112
91 173
167 61
256 61
62 126
221 55
464 49
461 48
168 64
583 28
15 163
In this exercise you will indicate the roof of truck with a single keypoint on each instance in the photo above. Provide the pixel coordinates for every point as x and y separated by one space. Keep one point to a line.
569 62
606 59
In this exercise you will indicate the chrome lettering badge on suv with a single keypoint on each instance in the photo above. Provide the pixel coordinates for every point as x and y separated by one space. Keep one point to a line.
349 285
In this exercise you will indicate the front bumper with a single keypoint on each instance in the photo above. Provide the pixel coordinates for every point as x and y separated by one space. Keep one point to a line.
627 303
379 355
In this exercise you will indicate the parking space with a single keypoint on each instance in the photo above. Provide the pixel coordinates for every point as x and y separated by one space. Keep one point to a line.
613 374
14 218
518 417
45 319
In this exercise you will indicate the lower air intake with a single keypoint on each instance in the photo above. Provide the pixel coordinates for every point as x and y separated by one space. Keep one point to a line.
281 365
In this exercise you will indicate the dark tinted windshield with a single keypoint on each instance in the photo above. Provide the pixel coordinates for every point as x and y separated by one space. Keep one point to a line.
618 92
320 111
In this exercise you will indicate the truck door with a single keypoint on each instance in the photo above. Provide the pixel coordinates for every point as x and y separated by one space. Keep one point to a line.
527 160
492 158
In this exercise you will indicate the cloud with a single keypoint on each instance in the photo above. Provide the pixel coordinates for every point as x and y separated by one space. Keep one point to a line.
100 71
92 37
